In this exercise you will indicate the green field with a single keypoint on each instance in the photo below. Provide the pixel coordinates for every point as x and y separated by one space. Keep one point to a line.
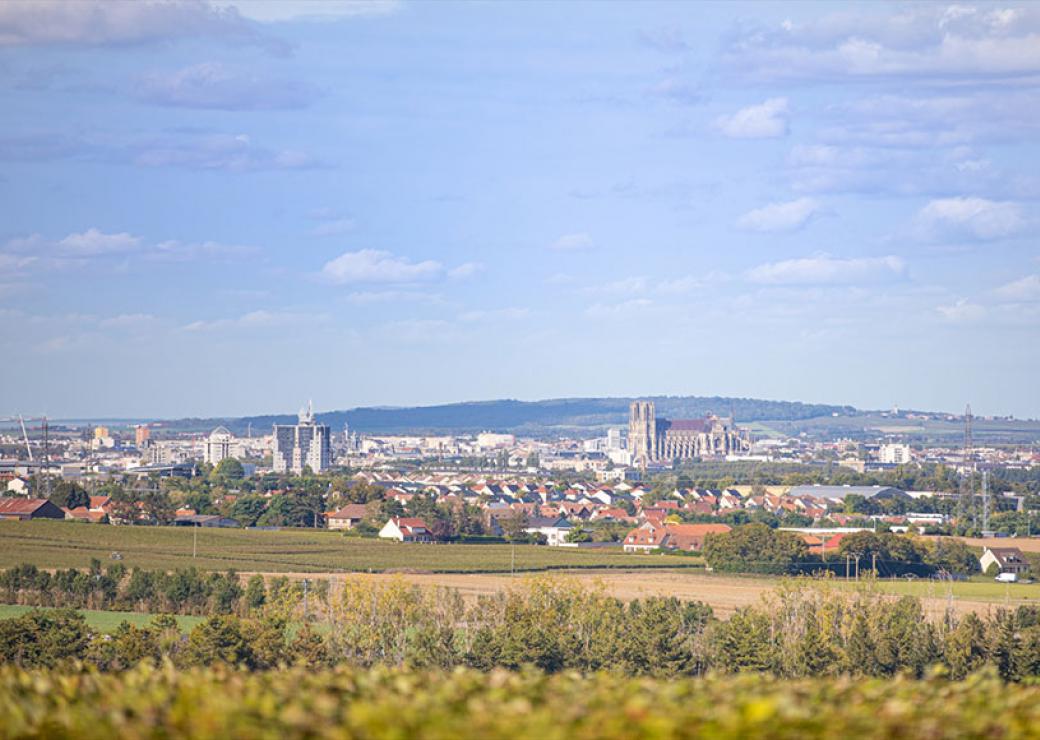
997 593
104 621
59 544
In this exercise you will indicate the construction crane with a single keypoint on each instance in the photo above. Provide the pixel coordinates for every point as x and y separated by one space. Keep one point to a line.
28 447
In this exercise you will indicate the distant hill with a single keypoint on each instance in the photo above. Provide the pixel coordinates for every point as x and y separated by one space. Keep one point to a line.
535 418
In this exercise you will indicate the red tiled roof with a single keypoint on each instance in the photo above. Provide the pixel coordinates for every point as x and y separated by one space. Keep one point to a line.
20 505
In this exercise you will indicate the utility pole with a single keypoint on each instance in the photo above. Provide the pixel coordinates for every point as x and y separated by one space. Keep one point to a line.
857 568
194 540
512 562
873 563
306 587
847 567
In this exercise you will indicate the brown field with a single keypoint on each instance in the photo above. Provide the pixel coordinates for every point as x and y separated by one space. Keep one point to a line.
724 593
1025 544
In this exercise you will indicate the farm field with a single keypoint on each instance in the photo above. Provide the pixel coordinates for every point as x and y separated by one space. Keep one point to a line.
725 593
59 544
104 621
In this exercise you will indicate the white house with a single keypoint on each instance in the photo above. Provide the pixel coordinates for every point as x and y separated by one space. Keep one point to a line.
555 530
404 529
1007 560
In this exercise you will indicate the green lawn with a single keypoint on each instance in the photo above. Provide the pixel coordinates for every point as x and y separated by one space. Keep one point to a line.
104 621
60 544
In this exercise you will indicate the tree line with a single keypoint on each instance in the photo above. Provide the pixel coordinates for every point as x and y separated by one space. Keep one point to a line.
556 625
756 548
185 591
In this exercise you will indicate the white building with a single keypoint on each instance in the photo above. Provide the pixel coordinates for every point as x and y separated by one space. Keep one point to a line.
306 444
616 438
405 529
220 445
894 454
490 440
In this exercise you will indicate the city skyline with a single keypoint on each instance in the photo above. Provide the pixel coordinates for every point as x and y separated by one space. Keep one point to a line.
210 209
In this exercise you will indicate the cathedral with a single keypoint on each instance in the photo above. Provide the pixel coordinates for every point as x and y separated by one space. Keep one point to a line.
653 440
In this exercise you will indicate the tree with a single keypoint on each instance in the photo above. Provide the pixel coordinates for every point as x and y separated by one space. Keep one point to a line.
219 639
248 509
43 638
69 495
228 469
755 548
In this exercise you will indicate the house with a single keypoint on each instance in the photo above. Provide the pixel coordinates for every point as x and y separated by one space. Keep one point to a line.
555 530
1007 559
18 487
406 529
685 537
29 508
348 517
83 514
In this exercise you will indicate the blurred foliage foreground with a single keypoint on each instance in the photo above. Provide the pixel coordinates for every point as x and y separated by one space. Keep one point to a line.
383 702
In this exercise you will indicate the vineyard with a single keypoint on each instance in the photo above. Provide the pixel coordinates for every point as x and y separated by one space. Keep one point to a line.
72 545
398 703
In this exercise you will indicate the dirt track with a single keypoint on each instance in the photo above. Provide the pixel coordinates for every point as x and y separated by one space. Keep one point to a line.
724 593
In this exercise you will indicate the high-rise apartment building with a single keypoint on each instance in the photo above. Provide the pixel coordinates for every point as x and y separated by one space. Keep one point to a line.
219 445
305 444
141 436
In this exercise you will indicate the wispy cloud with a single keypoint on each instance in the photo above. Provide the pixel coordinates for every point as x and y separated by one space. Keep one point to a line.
103 23
217 86
826 270
961 311
787 216
1024 289
765 121
618 310
969 218
573 242
378 266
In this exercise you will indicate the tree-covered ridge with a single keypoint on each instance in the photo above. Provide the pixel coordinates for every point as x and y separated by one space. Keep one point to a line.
535 416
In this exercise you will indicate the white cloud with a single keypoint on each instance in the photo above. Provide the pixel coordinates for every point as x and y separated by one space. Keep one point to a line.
378 266
176 251
765 121
95 242
259 319
466 270
1025 289
10 263
618 310
288 10
107 23
213 85
961 311
573 242
493 314
128 321
364 297
914 42
970 218
633 284
789 216
826 270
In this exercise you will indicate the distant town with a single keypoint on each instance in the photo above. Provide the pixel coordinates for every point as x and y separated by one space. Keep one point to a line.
656 484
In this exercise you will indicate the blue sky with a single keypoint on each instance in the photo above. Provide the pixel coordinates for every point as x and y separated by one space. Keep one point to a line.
229 208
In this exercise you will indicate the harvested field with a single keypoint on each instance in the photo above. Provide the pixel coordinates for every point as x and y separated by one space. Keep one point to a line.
724 593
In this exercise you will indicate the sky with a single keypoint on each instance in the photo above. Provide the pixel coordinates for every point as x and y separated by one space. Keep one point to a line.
229 208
